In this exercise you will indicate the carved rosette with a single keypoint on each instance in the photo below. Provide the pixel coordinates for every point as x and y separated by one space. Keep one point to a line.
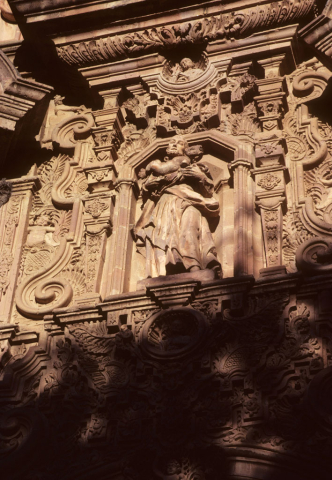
173 333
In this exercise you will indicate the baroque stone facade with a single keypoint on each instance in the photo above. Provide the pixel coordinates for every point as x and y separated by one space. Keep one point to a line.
166 240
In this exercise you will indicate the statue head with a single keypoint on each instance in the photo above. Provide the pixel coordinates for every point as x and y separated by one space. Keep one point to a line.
42 220
177 146
58 100
195 153
186 64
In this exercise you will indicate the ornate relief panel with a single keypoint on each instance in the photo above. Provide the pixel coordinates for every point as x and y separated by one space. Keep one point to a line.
244 137
165 267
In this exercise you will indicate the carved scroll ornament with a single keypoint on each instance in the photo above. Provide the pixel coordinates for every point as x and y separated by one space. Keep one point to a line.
315 256
309 85
172 333
49 288
67 132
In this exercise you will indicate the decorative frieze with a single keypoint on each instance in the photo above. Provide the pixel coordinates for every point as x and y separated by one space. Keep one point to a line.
225 26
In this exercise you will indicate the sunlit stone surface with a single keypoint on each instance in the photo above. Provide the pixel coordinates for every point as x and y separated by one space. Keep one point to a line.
165 240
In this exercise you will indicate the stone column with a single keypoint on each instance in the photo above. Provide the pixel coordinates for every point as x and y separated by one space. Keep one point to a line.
122 242
270 168
242 215
270 174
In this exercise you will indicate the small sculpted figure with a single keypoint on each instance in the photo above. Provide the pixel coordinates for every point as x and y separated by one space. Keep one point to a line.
173 231
185 71
170 165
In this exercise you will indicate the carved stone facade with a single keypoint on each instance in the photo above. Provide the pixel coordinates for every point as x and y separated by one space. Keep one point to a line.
166 240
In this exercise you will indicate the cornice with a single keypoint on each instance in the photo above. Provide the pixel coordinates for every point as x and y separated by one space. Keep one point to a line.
318 35
226 27
68 10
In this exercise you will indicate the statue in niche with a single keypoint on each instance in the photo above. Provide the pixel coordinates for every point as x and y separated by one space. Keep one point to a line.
185 71
173 231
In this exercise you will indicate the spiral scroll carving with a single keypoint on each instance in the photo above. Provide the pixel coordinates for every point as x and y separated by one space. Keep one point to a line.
77 127
309 85
41 293
315 256
22 432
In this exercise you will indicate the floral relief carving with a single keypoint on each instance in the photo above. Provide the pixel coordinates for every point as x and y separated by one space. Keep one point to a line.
49 173
135 140
107 138
268 147
172 333
245 123
325 131
294 235
50 273
139 109
99 175
270 108
96 207
269 181
139 317
78 187
318 183
94 243
271 223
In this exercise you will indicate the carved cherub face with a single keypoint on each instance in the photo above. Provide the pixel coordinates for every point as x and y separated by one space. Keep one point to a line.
42 221
176 146
186 64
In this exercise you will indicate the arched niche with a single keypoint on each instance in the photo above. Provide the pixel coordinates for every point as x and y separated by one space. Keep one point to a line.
221 154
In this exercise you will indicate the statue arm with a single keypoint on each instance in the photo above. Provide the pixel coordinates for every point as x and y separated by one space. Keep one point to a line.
163 168
200 175
156 166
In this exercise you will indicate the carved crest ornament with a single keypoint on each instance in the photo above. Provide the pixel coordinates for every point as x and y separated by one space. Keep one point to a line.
166 261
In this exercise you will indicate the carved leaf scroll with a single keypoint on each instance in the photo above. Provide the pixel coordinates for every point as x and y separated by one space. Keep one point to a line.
224 26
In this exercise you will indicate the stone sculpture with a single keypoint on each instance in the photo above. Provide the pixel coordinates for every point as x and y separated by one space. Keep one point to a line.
105 373
185 71
178 198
